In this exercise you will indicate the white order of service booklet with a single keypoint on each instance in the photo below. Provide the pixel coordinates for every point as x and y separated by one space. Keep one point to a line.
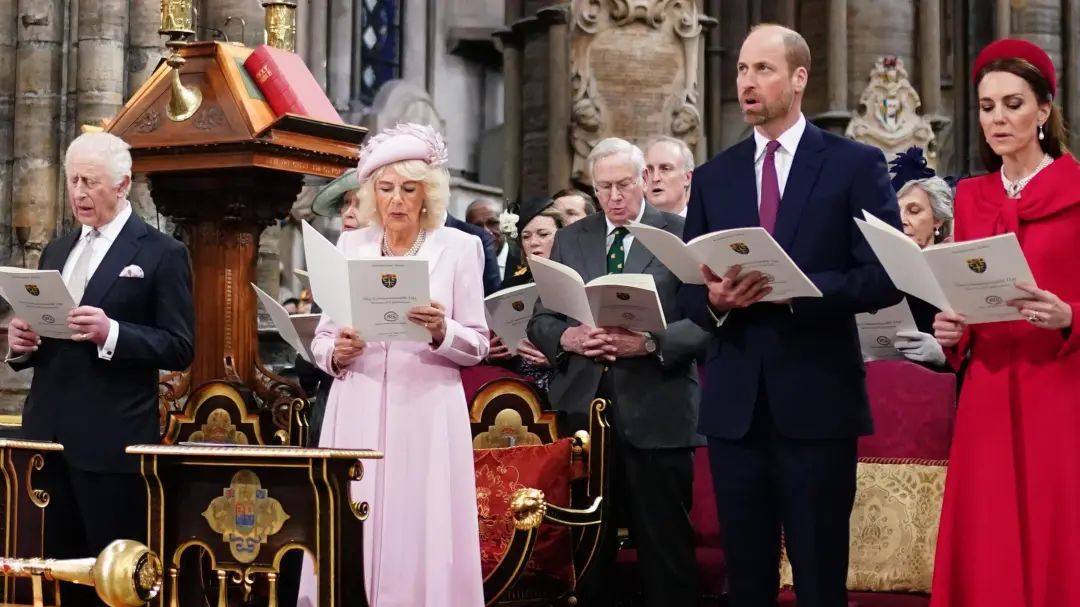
753 249
877 331
508 312
629 301
373 295
39 297
296 329
974 278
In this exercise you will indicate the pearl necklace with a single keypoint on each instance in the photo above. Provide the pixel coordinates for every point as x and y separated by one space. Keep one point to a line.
1013 188
413 250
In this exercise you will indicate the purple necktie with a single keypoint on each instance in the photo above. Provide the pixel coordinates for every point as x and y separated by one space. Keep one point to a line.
770 188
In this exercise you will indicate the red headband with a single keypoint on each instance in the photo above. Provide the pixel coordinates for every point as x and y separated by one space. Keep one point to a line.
1012 48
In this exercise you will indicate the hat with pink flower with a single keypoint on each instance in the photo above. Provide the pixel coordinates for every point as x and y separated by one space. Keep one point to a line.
406 141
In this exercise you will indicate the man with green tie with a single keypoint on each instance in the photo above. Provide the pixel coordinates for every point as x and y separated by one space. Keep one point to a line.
650 379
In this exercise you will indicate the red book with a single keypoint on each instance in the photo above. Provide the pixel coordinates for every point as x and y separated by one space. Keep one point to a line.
287 84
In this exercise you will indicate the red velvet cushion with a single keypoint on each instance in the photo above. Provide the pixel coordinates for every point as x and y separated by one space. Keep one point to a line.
868 599
474 378
500 472
913 409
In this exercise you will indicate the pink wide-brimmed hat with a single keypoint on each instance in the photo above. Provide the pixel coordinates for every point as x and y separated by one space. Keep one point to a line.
406 141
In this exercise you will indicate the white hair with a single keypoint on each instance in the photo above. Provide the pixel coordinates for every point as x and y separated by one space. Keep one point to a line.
684 150
940 194
436 184
111 151
612 146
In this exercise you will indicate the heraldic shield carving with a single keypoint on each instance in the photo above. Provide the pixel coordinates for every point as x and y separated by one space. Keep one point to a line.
245 516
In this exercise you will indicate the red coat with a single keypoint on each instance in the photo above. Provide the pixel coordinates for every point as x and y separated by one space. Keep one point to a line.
1010 527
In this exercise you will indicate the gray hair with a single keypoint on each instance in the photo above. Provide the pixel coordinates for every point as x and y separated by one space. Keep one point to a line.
612 146
940 194
684 150
113 153
484 202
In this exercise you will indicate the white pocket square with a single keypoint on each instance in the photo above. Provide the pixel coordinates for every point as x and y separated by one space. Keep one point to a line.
131 272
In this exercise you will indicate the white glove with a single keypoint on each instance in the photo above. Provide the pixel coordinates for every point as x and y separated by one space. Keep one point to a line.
920 347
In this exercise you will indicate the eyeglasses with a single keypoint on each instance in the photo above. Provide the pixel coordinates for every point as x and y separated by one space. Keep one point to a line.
604 188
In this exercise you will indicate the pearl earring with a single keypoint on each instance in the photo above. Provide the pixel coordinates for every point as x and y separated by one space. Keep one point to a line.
937 231
1042 135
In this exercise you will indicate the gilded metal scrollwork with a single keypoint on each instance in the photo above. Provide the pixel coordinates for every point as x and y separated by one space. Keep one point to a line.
360 510
39 497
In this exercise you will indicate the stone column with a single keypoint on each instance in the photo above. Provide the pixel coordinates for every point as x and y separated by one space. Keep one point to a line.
512 108
145 49
317 32
1072 70
40 57
1041 22
838 56
100 78
1002 18
559 159
7 101
714 81
930 56
788 10
339 60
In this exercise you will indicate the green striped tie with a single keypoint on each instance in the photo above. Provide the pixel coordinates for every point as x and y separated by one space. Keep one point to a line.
616 255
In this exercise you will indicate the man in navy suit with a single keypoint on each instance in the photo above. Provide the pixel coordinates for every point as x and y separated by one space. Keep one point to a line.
784 389
97 393
491 277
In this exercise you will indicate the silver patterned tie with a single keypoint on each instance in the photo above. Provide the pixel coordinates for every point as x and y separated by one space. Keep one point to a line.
80 274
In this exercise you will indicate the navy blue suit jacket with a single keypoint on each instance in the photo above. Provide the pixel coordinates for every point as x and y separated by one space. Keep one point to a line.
804 358
492 280
96 407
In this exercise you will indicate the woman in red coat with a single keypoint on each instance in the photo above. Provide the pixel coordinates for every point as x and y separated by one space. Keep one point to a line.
1010 526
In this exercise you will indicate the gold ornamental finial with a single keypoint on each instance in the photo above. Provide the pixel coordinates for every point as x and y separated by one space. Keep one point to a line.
177 22
125 574
281 24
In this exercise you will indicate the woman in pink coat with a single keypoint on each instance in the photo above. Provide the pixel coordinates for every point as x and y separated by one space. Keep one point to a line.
421 543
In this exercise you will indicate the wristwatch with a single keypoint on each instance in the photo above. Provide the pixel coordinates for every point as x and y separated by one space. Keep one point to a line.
650 343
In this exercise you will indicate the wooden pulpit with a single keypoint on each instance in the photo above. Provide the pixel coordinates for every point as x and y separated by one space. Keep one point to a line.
247 507
25 497
224 174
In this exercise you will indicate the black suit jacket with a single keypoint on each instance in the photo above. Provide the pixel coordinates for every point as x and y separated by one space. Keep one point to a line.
492 280
806 357
96 407
656 398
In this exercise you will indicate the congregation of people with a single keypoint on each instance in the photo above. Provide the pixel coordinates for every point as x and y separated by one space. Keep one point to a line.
775 389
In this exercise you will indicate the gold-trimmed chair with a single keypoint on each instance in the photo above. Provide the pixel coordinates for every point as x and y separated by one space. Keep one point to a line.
539 495
226 413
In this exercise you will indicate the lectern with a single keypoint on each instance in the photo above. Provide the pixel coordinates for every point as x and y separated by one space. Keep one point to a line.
249 506
223 174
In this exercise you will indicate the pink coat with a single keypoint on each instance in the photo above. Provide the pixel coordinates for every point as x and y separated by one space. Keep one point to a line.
406 399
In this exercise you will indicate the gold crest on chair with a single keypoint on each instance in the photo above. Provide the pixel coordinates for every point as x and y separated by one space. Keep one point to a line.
245 515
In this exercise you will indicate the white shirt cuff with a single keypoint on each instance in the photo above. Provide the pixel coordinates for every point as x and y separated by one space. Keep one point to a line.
8 358
105 352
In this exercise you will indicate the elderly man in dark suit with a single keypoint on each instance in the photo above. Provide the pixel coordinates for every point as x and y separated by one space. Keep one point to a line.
650 379
97 393
785 392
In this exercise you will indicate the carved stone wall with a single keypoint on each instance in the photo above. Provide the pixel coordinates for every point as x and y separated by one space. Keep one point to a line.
888 113
633 73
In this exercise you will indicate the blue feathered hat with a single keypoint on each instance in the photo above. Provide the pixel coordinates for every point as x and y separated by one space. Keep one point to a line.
911 165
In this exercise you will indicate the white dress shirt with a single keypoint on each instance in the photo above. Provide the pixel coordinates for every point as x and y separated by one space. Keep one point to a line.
629 238
107 234
785 154
501 258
